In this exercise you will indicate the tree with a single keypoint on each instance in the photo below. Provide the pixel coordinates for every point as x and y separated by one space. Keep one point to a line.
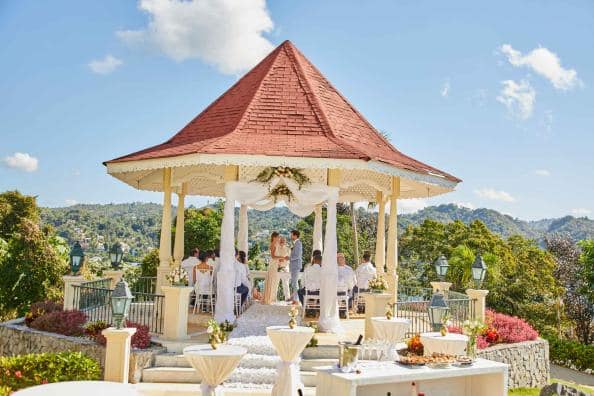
202 228
31 268
15 206
573 270
150 263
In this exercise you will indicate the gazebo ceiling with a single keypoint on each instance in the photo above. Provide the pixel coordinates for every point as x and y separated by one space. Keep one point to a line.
281 113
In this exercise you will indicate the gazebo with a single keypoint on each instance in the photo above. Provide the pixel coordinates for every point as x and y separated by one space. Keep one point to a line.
282 133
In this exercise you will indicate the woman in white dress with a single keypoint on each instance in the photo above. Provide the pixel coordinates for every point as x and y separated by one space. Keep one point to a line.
283 250
272 278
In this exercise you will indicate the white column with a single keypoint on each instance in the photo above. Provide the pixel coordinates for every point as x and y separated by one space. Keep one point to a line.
242 232
226 273
175 312
117 354
165 242
380 243
69 294
480 305
392 251
329 319
178 249
317 229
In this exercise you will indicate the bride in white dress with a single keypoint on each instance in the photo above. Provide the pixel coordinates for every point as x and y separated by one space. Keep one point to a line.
272 277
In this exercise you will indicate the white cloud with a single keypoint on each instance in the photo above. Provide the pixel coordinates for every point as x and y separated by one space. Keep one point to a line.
581 211
225 33
545 63
445 89
411 205
467 205
105 65
70 202
495 195
542 172
21 161
519 98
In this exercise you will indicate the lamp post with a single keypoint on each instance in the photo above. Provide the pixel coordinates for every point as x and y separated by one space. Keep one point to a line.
115 255
441 267
437 310
479 269
121 299
77 257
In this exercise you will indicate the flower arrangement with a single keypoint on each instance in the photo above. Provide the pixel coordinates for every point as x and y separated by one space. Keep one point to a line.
280 190
378 284
446 321
390 311
177 277
414 346
293 312
473 329
218 332
282 171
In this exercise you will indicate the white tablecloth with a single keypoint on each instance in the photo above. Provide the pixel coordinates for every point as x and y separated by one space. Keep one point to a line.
393 330
213 365
87 388
451 343
289 343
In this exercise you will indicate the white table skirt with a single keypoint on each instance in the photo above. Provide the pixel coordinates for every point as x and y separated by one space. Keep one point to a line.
451 343
393 330
213 365
289 343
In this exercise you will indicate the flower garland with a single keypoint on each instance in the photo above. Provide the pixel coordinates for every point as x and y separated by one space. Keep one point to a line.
281 190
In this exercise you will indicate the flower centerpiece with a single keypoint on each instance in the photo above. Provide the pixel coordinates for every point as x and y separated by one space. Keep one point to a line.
446 320
218 332
473 329
293 312
414 346
389 311
177 277
378 284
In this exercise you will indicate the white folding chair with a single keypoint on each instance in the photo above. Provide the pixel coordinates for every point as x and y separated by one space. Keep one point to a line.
204 298
311 301
343 299
238 304
359 301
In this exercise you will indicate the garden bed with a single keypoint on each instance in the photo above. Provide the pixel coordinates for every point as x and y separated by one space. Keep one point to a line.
18 339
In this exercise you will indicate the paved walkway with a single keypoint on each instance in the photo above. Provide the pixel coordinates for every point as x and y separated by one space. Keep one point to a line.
571 375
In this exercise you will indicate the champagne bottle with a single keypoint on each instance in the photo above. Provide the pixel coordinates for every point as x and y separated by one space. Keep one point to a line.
414 390
359 339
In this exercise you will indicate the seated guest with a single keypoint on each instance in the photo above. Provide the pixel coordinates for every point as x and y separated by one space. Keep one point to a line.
365 272
202 274
311 278
257 295
242 273
189 264
346 276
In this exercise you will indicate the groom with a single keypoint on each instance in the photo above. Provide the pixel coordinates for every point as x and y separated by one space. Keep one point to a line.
295 264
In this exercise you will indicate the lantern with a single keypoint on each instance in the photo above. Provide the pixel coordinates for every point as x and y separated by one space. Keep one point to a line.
441 266
479 269
115 255
438 309
77 257
121 298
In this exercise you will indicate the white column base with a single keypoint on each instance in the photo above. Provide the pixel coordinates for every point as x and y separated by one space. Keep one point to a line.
441 286
69 282
481 302
175 312
117 354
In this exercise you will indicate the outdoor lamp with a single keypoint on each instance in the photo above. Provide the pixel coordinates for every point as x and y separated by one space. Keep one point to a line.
77 257
121 298
479 269
115 255
441 266
438 309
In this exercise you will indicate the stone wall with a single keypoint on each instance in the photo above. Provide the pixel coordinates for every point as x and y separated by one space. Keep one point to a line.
528 362
18 339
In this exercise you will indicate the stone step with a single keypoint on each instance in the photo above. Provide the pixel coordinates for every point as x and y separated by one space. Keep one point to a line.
187 375
249 360
160 389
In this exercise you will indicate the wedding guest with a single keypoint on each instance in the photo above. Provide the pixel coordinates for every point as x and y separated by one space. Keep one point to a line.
202 274
364 273
242 282
257 295
346 277
311 278
216 266
316 252
189 264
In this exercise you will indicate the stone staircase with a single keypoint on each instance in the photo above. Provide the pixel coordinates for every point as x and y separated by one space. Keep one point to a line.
257 369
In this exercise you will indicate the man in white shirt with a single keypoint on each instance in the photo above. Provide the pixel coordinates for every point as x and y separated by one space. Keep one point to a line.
365 272
311 278
189 264
346 278
242 281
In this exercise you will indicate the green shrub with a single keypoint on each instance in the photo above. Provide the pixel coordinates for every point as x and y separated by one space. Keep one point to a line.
569 353
5 390
17 372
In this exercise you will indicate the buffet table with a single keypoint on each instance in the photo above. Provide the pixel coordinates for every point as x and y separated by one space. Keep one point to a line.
483 378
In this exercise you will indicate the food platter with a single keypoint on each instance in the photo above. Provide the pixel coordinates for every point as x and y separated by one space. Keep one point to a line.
435 361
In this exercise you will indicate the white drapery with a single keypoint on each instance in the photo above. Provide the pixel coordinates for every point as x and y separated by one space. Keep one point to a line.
242 232
317 229
302 203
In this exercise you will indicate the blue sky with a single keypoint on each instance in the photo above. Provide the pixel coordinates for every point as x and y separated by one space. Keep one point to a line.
499 95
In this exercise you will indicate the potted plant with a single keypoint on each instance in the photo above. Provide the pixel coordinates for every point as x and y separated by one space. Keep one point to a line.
473 329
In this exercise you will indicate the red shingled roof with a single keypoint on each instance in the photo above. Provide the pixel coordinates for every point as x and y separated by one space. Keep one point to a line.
283 107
